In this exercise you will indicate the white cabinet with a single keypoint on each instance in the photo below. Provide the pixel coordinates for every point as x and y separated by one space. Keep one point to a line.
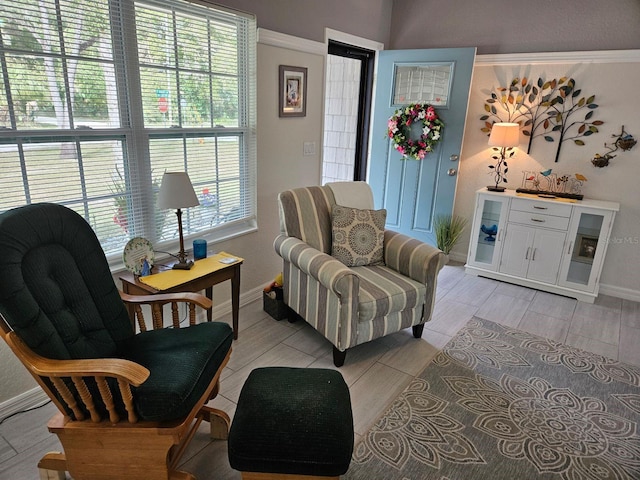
532 253
554 245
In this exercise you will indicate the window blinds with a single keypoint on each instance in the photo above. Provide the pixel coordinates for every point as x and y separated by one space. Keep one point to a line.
99 99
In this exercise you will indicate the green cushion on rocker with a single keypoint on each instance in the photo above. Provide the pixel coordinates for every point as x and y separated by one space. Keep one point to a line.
292 421
182 362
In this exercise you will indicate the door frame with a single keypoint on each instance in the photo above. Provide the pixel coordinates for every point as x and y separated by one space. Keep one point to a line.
367 91
365 96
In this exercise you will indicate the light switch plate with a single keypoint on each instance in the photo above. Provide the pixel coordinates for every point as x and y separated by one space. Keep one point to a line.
309 148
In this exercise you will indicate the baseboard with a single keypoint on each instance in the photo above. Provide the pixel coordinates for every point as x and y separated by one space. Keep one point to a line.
30 399
458 257
224 308
245 298
620 292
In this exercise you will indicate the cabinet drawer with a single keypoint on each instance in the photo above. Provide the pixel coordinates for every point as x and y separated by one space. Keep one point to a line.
543 208
538 220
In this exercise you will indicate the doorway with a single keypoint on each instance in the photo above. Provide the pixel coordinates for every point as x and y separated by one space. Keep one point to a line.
348 93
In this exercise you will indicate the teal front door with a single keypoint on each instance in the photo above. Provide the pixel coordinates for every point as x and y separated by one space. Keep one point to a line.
415 191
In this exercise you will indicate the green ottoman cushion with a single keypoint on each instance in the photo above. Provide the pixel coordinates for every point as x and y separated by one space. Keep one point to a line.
292 421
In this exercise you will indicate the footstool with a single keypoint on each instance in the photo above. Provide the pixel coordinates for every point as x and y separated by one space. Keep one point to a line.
292 422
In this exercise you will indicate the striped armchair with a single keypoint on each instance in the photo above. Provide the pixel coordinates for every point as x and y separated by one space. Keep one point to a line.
351 305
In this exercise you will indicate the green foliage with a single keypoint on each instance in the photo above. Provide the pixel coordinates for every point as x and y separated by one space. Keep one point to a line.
208 84
448 229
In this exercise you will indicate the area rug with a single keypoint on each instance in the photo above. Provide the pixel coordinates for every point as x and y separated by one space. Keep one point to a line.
499 403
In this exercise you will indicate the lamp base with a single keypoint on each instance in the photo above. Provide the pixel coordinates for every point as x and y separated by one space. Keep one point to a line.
494 188
183 265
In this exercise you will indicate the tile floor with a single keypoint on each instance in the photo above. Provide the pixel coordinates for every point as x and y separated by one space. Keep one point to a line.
376 372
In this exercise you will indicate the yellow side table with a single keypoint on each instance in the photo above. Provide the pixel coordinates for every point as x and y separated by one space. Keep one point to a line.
203 275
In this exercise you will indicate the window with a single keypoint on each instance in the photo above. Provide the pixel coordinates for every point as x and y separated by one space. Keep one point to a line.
98 99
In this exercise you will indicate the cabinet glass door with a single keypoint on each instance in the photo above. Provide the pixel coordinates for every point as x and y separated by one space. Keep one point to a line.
588 234
487 233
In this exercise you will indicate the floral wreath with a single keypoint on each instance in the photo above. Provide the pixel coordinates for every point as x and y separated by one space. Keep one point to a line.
399 128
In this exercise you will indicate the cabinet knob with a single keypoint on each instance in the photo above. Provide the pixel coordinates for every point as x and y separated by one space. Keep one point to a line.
452 172
454 157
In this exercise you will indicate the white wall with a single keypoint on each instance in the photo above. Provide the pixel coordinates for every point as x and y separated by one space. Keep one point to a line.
281 165
14 377
613 79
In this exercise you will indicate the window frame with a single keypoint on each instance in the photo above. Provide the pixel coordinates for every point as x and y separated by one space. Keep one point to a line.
137 137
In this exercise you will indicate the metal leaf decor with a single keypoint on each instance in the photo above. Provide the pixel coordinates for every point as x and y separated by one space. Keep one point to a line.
549 109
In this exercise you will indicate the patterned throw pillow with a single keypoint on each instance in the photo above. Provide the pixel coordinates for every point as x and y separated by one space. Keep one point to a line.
358 236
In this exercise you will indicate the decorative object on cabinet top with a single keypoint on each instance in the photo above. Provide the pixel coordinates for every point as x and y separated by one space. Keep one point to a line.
623 142
586 202
550 185
504 138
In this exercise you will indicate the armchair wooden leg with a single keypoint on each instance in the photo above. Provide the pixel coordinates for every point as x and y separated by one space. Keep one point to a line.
417 330
339 357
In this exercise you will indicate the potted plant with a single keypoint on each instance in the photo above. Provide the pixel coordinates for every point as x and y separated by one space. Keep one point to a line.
448 229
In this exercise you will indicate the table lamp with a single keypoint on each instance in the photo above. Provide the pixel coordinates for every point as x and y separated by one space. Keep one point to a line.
176 191
505 136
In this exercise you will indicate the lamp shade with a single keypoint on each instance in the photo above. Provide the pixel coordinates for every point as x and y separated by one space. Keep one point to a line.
505 135
176 191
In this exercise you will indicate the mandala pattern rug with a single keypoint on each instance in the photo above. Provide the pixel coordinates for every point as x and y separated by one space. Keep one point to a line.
499 403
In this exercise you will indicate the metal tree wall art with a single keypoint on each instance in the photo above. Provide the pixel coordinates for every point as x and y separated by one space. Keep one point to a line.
547 109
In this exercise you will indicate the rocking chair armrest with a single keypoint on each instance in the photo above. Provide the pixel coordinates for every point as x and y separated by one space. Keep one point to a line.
126 372
163 298
157 303
118 368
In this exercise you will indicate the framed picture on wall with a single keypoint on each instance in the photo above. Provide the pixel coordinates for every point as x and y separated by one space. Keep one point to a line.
585 248
293 91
